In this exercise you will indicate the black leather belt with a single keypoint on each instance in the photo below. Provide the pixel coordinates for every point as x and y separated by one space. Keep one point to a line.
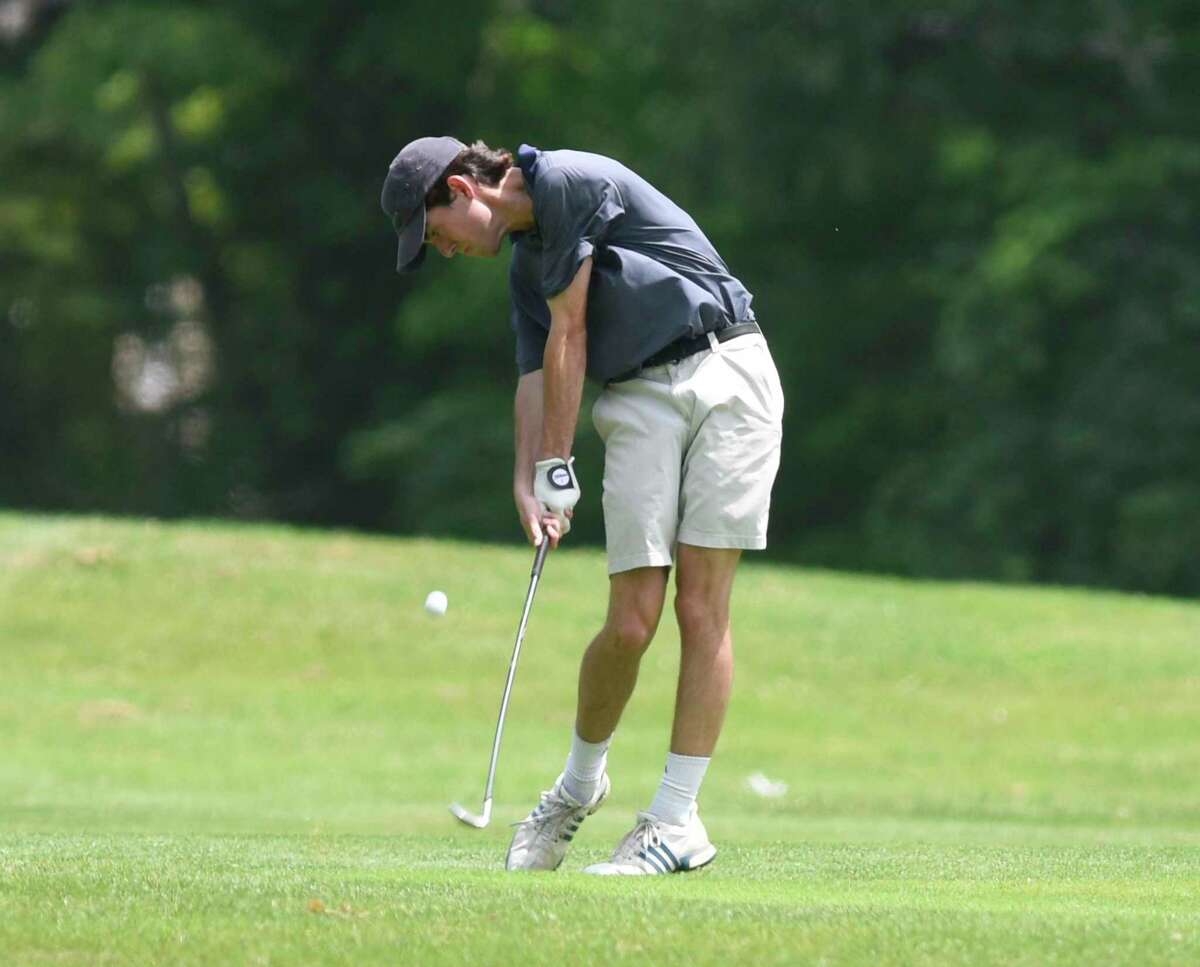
688 346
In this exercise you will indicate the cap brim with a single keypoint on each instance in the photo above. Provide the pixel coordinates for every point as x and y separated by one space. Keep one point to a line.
411 251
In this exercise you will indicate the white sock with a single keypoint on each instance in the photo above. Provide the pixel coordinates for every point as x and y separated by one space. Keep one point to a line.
585 768
679 788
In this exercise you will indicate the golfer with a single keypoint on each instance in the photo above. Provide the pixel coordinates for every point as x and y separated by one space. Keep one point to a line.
612 280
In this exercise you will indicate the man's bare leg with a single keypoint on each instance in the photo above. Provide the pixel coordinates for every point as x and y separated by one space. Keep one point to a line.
609 668
607 676
704 583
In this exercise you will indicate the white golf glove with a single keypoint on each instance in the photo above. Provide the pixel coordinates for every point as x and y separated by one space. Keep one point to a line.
556 489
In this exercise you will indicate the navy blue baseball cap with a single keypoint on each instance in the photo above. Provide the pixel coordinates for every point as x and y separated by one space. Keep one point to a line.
411 174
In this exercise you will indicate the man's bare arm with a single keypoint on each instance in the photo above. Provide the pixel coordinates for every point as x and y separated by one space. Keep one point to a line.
564 364
527 419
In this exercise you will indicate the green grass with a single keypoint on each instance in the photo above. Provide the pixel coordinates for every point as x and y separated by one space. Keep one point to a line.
236 745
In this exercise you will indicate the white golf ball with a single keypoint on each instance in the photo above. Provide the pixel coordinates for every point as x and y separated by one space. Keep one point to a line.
435 603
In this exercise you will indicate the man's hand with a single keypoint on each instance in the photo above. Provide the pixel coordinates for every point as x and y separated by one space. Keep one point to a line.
556 489
536 521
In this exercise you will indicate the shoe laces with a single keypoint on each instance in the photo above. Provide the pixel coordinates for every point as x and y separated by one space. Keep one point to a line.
549 816
644 835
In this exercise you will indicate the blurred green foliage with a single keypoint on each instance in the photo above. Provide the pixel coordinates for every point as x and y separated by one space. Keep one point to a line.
971 228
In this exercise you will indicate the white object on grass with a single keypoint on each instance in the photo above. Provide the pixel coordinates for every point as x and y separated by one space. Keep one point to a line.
767 788
435 603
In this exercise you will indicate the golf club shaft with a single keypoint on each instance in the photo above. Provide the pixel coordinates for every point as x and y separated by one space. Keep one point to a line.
535 575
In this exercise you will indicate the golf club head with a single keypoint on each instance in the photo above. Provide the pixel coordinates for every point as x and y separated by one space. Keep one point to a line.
464 816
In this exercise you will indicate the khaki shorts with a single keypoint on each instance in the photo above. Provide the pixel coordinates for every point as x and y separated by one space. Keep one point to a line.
690 453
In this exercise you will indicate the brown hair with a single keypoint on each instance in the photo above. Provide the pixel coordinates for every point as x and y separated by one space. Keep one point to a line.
486 165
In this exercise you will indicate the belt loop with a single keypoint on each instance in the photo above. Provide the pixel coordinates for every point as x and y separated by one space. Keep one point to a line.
713 342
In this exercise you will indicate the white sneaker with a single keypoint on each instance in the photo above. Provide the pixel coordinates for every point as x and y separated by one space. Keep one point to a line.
544 836
657 847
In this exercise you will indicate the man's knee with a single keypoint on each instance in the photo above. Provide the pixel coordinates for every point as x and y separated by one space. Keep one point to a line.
635 608
631 632
700 615
704 583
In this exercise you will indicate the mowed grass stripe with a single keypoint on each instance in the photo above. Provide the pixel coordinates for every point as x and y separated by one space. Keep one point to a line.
189 899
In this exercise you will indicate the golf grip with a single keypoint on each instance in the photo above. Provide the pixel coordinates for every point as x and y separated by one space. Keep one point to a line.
538 560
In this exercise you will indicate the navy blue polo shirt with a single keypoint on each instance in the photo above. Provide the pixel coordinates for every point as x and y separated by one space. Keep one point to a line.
655 276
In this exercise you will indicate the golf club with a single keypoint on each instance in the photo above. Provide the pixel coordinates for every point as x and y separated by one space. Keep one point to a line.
480 821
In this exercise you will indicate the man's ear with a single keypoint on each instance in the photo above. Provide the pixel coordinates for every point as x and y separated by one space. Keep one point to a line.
460 185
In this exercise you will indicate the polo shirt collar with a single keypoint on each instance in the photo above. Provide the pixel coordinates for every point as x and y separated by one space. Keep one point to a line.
527 156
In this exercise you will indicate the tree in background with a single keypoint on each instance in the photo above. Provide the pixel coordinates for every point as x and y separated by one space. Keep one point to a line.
970 228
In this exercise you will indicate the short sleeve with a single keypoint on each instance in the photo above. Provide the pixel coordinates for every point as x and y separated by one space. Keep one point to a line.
575 213
530 322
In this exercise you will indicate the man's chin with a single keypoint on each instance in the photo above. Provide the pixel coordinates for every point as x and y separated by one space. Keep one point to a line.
477 253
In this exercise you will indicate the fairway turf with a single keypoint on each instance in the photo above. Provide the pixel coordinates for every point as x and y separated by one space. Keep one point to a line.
229 744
